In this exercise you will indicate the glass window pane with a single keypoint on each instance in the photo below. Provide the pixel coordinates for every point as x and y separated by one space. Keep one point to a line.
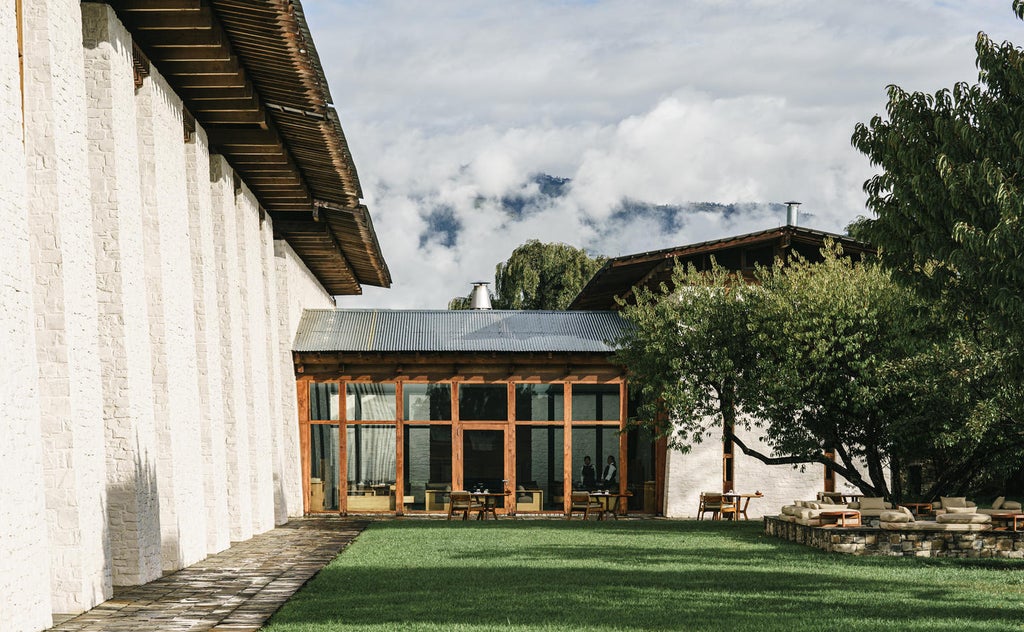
371 453
370 402
640 478
600 443
428 466
323 401
323 467
483 402
539 461
483 461
540 402
595 402
427 402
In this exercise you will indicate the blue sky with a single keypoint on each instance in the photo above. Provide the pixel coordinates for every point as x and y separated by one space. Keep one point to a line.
451 107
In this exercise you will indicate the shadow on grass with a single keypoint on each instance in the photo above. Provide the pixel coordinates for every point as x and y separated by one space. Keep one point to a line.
631 575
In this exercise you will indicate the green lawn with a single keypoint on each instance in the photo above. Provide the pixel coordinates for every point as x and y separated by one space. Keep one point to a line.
638 575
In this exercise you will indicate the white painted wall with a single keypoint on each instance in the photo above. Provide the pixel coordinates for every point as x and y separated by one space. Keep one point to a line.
60 219
297 288
24 549
146 318
133 526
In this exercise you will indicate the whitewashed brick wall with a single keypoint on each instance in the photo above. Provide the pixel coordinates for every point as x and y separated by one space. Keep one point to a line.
232 324
701 471
255 331
66 319
208 341
297 289
24 551
172 322
133 526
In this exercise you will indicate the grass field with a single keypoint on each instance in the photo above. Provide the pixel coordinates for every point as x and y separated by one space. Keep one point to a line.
638 575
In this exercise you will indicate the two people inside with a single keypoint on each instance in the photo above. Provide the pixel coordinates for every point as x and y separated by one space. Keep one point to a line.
589 475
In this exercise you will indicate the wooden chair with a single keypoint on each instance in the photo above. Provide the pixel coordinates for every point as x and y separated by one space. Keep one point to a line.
462 502
582 502
715 504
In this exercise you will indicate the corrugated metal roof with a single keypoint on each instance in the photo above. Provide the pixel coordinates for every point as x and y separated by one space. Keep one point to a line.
457 330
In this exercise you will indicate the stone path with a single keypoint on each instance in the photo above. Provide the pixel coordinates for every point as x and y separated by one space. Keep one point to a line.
236 590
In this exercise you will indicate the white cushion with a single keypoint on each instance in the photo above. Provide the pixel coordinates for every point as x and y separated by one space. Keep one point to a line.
953 501
963 518
998 502
872 502
1010 505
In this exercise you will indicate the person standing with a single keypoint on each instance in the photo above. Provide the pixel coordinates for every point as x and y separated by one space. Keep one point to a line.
608 476
589 474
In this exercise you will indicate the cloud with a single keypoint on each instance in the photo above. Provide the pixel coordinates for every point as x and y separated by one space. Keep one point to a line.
452 107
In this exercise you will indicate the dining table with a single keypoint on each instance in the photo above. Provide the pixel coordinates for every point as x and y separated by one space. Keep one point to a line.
610 502
489 501
740 502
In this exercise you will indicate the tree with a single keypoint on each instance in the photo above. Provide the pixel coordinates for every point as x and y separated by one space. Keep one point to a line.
949 204
828 358
539 276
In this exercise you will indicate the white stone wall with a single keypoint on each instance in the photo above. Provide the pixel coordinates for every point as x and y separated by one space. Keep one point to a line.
125 351
172 322
25 602
60 217
297 288
146 315
233 372
700 470
208 340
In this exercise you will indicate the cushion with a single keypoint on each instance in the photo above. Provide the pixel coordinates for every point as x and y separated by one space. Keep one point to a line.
895 516
872 502
959 510
1010 505
829 500
953 501
998 502
963 518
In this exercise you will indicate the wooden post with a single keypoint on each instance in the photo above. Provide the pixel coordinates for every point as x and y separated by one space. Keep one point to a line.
302 399
399 448
567 448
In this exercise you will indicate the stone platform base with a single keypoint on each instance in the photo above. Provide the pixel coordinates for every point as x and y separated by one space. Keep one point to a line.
876 541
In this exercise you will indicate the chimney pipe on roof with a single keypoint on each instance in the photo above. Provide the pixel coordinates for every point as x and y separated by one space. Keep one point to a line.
792 213
480 298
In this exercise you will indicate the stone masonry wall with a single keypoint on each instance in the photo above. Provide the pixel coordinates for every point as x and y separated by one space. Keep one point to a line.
208 340
65 297
24 547
133 528
230 311
701 471
297 288
873 541
172 322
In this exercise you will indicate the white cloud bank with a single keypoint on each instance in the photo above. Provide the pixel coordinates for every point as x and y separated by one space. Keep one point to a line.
449 106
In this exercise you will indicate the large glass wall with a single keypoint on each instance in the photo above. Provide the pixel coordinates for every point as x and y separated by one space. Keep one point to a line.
539 467
483 461
640 471
483 402
427 402
371 451
540 402
595 402
370 402
599 443
323 401
323 467
428 466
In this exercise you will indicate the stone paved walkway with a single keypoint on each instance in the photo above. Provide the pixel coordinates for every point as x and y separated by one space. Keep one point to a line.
236 590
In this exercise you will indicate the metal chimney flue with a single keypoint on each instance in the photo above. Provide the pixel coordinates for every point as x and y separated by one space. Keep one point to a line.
792 213
480 298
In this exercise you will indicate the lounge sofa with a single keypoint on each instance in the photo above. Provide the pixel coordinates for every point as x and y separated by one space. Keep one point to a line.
901 519
999 505
808 512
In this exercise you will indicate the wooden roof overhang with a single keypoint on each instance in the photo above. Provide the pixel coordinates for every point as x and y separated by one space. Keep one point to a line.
618 277
461 366
248 71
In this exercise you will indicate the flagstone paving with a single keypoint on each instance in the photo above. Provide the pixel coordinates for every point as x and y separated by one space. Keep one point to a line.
236 590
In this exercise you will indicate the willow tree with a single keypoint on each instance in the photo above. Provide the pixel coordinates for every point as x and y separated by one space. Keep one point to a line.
539 276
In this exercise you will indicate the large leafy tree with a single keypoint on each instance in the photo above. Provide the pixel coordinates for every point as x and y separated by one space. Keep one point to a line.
949 201
539 276
832 358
